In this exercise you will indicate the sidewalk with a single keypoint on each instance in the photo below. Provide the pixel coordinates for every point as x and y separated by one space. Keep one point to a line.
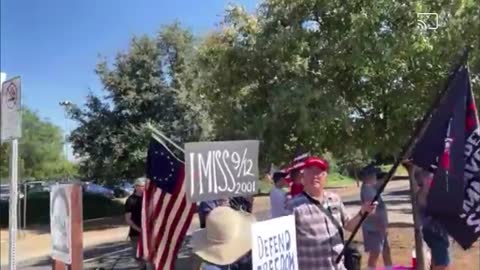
35 244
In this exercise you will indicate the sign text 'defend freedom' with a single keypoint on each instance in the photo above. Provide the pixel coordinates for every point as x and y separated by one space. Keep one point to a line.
216 170
274 244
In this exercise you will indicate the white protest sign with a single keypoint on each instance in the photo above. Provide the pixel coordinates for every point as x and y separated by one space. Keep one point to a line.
10 106
60 222
274 244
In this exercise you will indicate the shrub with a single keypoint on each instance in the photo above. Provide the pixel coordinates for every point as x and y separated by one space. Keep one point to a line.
38 208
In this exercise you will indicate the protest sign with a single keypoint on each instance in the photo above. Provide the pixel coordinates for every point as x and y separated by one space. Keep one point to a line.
66 226
60 222
274 244
224 169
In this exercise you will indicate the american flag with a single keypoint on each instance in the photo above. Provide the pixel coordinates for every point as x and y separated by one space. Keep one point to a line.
296 163
166 213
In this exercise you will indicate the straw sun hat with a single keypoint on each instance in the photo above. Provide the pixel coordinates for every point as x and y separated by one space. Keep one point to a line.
226 237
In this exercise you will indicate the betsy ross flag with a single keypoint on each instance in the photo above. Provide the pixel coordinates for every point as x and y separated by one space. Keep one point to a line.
166 213
450 147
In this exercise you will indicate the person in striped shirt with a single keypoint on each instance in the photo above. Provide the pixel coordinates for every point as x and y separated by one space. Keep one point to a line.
318 216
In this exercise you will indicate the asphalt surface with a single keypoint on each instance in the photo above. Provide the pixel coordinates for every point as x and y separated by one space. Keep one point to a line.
118 255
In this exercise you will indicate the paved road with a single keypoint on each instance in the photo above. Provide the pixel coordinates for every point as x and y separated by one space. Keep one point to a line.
117 255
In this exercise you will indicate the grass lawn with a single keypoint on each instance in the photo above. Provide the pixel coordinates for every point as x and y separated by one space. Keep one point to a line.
401 171
336 180
38 208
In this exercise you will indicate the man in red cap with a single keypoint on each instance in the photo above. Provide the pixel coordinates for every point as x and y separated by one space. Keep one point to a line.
320 218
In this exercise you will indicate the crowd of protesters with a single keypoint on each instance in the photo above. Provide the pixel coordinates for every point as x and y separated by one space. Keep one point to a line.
223 242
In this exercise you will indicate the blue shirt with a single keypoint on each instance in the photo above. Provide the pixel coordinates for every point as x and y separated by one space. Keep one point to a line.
367 194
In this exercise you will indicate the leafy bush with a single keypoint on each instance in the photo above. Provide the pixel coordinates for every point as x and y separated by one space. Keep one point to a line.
38 208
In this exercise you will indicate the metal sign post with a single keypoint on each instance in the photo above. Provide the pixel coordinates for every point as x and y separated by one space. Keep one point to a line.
12 229
10 131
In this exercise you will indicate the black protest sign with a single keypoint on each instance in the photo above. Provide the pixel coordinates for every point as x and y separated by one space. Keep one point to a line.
226 169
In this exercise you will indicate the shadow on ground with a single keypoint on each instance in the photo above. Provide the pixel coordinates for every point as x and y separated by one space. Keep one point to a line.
400 225
112 256
405 192
387 202
88 225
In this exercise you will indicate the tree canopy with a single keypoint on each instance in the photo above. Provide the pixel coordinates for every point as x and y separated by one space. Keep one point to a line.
144 85
348 79
40 151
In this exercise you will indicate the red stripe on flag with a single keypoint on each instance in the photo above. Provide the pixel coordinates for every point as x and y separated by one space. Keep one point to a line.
166 218
163 219
169 234
163 230
146 218
148 196
183 232
154 219
140 248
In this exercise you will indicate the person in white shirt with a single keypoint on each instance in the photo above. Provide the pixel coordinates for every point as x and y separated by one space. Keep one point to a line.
278 196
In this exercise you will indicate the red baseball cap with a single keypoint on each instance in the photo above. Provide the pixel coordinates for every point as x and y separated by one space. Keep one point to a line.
314 161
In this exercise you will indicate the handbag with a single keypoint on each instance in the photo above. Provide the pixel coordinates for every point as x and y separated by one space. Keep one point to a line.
352 256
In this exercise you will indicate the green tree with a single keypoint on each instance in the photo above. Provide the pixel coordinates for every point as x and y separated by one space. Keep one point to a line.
348 79
146 84
331 76
40 151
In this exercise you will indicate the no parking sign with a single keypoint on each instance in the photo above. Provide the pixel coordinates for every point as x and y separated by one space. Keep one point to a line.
10 105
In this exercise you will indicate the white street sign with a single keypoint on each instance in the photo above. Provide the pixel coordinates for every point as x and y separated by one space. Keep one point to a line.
10 110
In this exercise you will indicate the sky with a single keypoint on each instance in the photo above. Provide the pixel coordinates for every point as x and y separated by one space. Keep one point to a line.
54 45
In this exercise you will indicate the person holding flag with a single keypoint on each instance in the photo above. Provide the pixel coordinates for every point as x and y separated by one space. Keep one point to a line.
434 234
449 148
320 218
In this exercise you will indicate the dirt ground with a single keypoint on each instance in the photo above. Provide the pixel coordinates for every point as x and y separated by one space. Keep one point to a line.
402 244
113 229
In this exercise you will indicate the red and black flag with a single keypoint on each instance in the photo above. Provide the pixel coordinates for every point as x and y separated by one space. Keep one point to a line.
450 147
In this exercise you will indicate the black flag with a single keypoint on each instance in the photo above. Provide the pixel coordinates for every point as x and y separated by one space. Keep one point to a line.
450 147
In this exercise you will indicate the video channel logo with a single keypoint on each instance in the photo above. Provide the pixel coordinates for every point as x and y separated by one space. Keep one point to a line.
427 21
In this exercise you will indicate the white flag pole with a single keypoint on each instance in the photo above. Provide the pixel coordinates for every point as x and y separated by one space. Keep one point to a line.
12 231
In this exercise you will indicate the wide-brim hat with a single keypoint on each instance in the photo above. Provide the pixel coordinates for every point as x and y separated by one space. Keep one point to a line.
225 238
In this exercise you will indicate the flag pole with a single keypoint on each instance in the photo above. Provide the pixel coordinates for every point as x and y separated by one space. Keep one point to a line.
157 132
418 235
408 147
